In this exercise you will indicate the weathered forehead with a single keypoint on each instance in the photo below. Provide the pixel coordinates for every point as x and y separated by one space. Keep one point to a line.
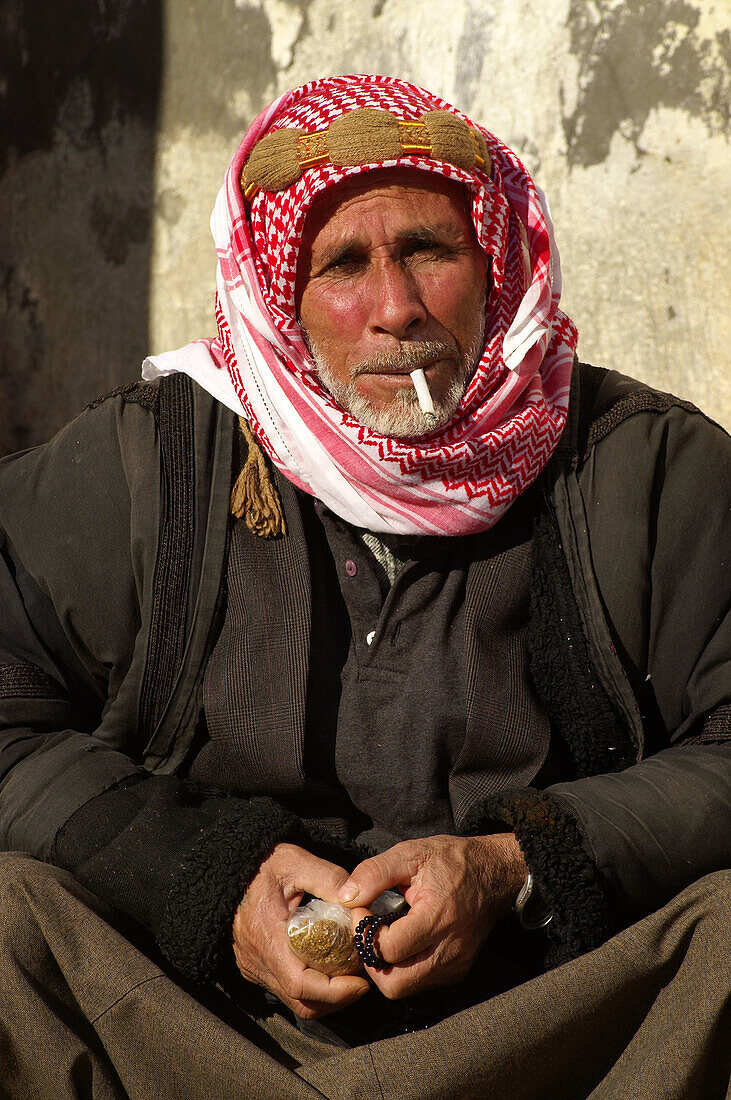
428 199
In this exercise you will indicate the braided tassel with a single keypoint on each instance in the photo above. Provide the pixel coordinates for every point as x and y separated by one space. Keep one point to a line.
254 496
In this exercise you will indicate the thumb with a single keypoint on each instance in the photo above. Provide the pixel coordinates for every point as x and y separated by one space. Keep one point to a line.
371 877
309 874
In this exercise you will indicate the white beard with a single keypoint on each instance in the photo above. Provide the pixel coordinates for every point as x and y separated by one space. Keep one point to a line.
401 418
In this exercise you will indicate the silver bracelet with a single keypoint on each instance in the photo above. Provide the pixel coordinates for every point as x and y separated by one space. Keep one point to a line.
534 915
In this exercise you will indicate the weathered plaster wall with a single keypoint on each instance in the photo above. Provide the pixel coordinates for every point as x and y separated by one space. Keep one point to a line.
78 106
619 107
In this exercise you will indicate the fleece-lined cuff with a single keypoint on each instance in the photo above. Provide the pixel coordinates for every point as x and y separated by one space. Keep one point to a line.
176 858
560 862
212 878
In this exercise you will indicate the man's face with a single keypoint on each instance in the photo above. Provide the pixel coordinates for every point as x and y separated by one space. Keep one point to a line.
390 277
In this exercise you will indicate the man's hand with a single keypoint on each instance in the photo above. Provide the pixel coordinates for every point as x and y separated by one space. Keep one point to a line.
262 951
457 887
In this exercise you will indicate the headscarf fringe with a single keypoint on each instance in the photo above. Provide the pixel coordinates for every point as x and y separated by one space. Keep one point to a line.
254 497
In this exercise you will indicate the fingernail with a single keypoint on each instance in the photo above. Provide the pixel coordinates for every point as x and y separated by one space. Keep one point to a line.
348 892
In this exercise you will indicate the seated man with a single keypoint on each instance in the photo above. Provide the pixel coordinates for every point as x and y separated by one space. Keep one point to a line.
380 588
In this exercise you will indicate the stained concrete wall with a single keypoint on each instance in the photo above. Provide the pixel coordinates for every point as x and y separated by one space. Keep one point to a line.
122 124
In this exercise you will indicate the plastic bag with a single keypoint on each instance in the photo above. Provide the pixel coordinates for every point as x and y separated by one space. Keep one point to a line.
320 933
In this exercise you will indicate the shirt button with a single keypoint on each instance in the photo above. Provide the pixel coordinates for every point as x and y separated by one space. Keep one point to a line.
350 567
370 636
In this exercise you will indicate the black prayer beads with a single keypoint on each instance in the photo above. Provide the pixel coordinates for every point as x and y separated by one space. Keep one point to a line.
364 934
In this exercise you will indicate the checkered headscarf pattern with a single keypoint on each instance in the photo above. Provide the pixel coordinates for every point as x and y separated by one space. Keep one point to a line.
461 478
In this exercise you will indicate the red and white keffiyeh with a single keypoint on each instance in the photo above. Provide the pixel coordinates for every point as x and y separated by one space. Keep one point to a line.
460 478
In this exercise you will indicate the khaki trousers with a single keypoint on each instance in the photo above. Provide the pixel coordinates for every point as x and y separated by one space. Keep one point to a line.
83 1013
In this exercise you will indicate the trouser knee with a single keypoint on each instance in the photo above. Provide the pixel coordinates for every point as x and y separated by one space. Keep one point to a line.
28 890
21 875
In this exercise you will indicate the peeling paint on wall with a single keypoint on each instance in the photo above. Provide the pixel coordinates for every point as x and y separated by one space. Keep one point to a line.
75 67
472 46
116 226
206 58
635 58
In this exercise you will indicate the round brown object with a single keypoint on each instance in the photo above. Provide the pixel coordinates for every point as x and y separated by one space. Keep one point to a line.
362 136
273 163
451 139
325 945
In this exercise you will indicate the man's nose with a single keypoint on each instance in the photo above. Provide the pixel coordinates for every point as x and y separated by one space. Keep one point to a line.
396 307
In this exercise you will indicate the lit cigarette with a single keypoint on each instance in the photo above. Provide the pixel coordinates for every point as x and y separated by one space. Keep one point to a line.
422 392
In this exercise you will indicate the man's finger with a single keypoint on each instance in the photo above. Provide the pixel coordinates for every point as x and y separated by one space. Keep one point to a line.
395 867
411 934
307 872
405 979
331 1000
310 985
288 977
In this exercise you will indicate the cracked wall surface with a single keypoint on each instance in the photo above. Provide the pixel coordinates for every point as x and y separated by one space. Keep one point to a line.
620 108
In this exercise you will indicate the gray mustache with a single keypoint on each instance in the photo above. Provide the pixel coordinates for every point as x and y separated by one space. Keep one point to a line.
410 356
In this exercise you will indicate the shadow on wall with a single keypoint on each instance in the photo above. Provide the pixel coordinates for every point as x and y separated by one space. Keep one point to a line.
633 59
78 111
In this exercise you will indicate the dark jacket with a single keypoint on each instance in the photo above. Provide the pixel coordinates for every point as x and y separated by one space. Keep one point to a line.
114 539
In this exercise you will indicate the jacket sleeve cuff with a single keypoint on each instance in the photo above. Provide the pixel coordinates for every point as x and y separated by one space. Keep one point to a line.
176 858
195 930
195 933
560 860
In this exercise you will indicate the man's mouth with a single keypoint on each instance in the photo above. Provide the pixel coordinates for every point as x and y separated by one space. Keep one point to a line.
407 360
401 371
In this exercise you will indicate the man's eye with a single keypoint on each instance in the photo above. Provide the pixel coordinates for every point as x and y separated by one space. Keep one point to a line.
343 264
425 249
